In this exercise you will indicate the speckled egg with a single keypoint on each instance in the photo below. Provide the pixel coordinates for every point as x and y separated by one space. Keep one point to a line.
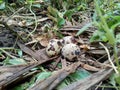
53 48
67 40
70 51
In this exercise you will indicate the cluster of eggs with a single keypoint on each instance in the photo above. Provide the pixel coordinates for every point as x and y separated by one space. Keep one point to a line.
66 46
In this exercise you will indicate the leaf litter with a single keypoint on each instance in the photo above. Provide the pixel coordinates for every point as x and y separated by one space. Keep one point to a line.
51 72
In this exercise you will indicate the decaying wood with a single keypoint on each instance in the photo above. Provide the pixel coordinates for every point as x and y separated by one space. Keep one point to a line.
89 81
9 74
9 77
30 52
39 55
94 63
51 82
55 79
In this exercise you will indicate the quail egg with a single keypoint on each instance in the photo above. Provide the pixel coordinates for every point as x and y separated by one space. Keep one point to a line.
53 48
67 40
70 51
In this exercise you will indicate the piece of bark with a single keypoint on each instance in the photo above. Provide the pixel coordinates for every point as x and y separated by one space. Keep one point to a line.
9 77
90 81
38 55
41 54
51 82
11 68
94 63
28 51
99 52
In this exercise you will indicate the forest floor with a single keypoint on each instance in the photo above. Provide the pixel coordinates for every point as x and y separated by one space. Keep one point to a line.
27 28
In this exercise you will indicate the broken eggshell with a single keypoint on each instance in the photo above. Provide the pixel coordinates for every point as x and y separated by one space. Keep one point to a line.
53 48
70 51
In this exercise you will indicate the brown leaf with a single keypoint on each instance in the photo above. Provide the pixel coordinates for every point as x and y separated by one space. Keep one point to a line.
90 68
42 39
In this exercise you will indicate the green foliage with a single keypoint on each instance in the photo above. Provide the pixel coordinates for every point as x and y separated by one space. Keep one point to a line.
106 26
22 86
69 4
20 53
2 6
56 16
99 36
1 1
43 75
106 21
30 83
25 85
115 81
61 10
112 80
76 76
83 29
16 61
118 38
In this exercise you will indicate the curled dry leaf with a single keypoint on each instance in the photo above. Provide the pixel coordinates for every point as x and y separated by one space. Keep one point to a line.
43 39
85 47
22 23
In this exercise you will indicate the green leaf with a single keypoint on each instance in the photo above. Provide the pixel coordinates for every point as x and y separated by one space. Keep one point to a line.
118 5
2 6
83 29
104 38
20 53
56 16
16 61
117 79
115 25
23 86
36 5
112 80
78 75
1 1
43 75
118 38
6 60
61 22
53 11
116 18
99 35
62 85
69 14
19 87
